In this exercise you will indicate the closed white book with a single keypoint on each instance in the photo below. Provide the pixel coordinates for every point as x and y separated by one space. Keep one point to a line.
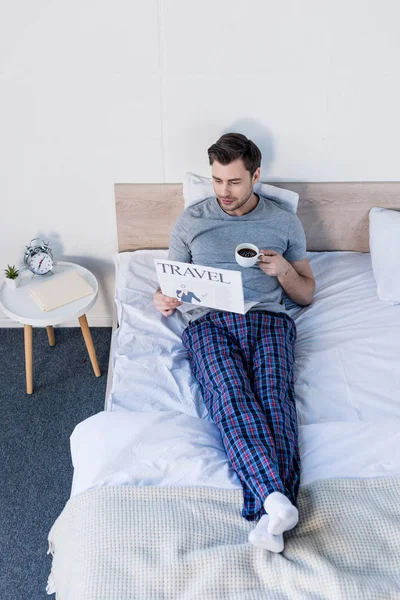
61 290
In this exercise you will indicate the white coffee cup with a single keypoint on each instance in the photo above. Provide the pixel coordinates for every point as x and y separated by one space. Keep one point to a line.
247 261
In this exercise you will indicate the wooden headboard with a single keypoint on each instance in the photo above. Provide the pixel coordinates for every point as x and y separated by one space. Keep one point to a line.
334 215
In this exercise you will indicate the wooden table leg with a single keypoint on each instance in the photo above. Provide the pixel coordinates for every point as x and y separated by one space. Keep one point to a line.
28 358
50 335
89 344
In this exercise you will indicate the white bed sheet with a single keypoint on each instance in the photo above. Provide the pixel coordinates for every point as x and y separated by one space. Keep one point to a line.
347 380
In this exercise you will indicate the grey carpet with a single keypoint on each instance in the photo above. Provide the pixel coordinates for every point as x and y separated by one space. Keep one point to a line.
36 469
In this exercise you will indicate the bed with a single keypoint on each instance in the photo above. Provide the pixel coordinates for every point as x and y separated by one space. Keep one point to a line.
155 508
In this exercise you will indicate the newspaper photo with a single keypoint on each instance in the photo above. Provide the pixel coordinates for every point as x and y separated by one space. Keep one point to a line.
202 286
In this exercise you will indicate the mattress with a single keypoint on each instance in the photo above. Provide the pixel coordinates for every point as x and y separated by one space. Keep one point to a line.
156 430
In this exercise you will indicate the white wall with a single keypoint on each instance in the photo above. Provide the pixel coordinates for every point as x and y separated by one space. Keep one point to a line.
97 92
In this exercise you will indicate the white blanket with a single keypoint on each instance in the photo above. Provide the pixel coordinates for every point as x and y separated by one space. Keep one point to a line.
347 380
143 543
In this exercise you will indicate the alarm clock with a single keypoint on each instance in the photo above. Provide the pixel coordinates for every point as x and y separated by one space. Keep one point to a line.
39 257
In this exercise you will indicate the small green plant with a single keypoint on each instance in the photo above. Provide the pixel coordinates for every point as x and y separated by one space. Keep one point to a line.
11 272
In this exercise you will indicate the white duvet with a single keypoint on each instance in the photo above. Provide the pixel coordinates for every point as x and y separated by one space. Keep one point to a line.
347 379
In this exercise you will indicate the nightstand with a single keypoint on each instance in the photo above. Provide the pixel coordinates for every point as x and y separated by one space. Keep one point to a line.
19 306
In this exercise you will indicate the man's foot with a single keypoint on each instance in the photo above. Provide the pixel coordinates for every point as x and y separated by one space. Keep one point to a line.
282 514
262 538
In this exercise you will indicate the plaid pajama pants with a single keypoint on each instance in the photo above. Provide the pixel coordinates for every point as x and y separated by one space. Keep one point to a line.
244 365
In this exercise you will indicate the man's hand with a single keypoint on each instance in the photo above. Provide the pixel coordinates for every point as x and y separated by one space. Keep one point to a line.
166 305
273 263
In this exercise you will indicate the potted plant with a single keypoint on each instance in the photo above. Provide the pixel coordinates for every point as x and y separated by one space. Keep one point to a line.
12 276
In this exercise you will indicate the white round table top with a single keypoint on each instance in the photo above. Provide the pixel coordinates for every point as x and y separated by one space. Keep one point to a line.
19 305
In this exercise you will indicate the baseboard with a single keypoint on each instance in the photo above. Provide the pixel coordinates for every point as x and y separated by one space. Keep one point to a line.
93 322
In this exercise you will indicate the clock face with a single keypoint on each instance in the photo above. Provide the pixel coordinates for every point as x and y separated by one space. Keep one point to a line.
40 263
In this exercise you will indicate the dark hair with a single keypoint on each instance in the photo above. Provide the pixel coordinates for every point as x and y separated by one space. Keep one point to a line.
232 146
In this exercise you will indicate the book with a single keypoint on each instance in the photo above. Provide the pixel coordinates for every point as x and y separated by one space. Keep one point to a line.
60 290
197 285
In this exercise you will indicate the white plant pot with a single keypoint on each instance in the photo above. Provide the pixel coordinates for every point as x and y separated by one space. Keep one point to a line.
12 283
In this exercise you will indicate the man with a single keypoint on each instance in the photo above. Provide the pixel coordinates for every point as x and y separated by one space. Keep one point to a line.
244 363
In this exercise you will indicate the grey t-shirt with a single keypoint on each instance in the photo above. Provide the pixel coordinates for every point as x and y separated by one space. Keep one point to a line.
206 235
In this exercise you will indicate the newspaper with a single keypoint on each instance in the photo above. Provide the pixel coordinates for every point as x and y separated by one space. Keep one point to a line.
198 285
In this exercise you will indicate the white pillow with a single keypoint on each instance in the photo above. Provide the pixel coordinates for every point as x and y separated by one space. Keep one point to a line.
384 243
196 188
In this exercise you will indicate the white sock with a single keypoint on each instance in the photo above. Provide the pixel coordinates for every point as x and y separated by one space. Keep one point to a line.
282 514
262 538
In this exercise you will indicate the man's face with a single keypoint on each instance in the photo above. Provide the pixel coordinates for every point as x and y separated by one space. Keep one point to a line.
233 185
